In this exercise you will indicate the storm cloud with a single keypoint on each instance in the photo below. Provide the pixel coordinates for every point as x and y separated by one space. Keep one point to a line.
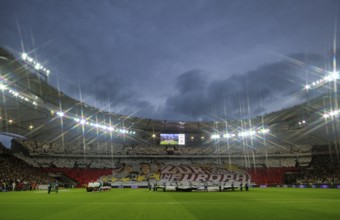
268 88
177 60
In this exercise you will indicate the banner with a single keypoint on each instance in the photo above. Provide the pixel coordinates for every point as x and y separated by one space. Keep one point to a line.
146 172
201 174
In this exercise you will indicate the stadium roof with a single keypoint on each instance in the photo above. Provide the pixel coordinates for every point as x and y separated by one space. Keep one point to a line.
30 107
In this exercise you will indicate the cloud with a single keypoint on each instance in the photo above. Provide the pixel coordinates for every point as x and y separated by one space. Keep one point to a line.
195 96
190 98
270 87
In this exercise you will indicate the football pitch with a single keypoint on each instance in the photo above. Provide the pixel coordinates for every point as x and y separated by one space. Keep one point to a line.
169 142
134 204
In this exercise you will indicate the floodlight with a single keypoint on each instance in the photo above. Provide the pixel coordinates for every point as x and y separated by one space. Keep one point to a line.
334 75
24 56
60 114
227 135
264 131
37 66
3 87
331 114
215 136
251 132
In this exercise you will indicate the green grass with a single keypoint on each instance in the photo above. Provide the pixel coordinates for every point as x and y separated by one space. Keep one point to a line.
133 204
169 142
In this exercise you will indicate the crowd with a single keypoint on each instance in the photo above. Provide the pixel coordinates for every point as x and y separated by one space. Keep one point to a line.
15 174
322 170
19 170
76 148
45 155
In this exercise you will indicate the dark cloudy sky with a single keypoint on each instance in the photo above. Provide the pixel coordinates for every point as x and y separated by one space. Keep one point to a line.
177 59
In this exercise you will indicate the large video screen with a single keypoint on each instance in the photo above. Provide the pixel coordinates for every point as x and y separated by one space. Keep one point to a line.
172 139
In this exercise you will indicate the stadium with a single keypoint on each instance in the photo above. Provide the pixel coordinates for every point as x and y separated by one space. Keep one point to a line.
195 170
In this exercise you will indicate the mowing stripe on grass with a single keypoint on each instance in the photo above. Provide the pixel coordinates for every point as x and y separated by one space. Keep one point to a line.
179 202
